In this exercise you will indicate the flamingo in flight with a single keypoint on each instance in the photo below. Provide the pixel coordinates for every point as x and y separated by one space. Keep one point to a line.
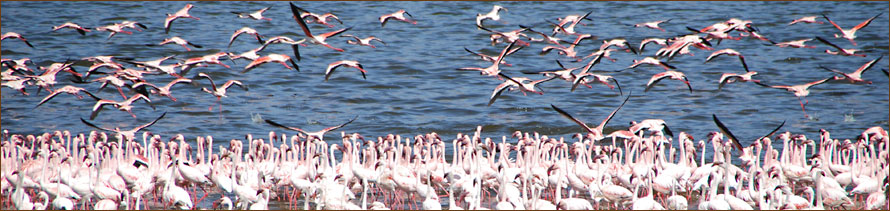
494 69
855 76
667 74
850 34
652 61
399 16
164 90
806 19
800 90
182 13
245 30
363 42
731 52
348 63
220 91
133 25
596 132
317 134
129 134
73 90
294 44
126 105
840 51
80 29
794 43
178 41
517 82
732 77
256 15
492 58
114 29
321 19
271 58
652 24
317 39
493 15
16 36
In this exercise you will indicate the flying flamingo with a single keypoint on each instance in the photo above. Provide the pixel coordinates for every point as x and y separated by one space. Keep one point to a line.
494 69
220 91
178 41
73 90
182 13
16 36
597 132
114 29
732 77
348 63
517 83
271 58
125 105
363 42
850 34
321 19
256 15
855 76
731 52
652 24
245 30
493 15
801 91
128 134
794 43
164 90
668 74
319 39
399 16
80 29
659 41
652 61
806 19
840 51
319 135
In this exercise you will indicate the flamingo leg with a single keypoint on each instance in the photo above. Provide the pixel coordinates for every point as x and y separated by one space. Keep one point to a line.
802 108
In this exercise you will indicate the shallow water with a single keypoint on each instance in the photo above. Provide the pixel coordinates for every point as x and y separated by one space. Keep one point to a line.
413 86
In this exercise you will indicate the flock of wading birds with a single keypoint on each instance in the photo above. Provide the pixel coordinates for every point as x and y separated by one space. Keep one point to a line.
60 170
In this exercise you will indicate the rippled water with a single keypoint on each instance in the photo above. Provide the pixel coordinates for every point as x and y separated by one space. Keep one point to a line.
413 86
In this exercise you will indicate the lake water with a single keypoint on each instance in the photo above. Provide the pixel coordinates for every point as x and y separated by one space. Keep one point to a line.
413 86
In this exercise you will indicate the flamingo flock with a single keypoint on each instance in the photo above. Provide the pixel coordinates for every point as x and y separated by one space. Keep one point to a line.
640 166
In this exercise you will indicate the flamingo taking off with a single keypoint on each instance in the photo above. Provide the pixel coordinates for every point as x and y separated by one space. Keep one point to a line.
840 51
126 105
493 15
730 52
321 19
178 41
220 91
363 42
271 58
80 29
317 134
855 76
164 90
73 90
245 30
800 90
16 36
652 24
806 19
596 132
129 134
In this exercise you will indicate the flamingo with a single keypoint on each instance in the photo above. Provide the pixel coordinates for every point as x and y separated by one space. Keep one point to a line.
493 15
245 30
133 25
850 34
840 51
178 41
806 19
113 29
73 90
220 91
399 16
348 63
321 19
363 42
14 35
659 41
652 24
801 91
668 74
317 39
731 52
271 58
125 105
494 69
182 13
512 83
855 76
732 77
256 15
652 61
596 132
492 58
80 29
319 135
164 90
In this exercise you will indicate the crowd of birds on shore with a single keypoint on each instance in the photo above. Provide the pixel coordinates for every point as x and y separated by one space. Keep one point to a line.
642 168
